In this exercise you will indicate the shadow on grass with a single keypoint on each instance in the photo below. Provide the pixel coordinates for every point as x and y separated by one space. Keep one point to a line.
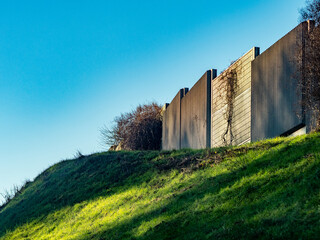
253 210
222 208
72 182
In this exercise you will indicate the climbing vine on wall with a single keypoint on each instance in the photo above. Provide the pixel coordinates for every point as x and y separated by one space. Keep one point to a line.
228 89
231 88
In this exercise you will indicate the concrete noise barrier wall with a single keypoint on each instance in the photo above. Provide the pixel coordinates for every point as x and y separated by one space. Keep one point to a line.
264 100
196 114
186 120
275 96
171 123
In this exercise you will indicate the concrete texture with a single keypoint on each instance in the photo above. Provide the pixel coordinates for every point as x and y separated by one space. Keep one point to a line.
266 103
196 112
275 100
171 124
186 120
241 121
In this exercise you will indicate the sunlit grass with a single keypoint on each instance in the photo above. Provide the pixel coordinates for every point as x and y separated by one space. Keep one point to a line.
268 189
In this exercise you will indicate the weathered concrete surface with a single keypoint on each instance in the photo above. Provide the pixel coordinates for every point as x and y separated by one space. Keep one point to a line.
187 119
171 123
275 100
241 120
196 114
266 103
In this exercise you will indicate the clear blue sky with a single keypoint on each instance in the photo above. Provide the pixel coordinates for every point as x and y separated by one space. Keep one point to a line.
69 67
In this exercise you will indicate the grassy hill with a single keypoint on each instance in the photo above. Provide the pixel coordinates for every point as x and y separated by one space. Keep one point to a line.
268 189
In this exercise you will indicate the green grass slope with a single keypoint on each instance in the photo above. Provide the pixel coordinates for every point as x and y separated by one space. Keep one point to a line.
268 189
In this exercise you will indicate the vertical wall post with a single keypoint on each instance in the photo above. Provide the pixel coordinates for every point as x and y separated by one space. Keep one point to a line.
211 74
183 92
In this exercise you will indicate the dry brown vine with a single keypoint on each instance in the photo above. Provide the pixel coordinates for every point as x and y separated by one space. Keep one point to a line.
230 84
226 93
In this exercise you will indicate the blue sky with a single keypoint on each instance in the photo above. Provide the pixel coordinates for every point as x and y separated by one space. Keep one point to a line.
69 67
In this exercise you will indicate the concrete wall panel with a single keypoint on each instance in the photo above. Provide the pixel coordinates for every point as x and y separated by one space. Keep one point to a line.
241 121
186 120
171 124
275 101
195 114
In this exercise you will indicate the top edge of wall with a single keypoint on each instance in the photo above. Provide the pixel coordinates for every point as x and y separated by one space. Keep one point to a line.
305 24
254 50
213 72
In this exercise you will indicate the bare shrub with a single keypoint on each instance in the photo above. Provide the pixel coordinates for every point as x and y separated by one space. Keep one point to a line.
311 11
308 62
140 129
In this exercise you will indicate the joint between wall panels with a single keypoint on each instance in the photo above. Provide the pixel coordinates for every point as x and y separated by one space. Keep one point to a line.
245 119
